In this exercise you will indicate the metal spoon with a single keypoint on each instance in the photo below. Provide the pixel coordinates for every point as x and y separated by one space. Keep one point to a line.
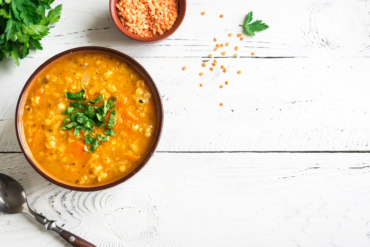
13 200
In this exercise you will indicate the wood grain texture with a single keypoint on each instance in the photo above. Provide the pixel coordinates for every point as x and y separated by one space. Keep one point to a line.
297 28
207 200
274 105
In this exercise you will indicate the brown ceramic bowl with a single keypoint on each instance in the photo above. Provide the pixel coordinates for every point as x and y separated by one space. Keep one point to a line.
119 25
20 108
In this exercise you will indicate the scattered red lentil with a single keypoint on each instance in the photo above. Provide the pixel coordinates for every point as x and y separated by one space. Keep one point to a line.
227 82
204 64
221 86
215 39
227 44
210 55
201 85
222 67
201 73
241 38
147 18
215 61
203 13
211 68
236 48
239 35
216 49
236 55
214 64
223 53
225 70
239 71
184 68
230 34
221 104
252 53
222 45
218 45
222 16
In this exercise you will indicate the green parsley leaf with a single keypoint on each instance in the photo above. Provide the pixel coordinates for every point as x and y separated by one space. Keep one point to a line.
87 131
23 23
109 132
76 105
256 26
112 102
77 130
90 140
68 126
36 44
15 54
102 139
76 96
54 14
100 124
5 14
68 111
99 98
89 111
112 119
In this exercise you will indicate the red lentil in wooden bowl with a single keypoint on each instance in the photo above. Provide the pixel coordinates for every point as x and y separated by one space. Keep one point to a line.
139 20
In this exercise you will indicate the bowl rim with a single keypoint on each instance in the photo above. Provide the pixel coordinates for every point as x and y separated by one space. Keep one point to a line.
137 66
182 12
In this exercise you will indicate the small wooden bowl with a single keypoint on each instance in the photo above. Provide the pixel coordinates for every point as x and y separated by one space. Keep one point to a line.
23 96
119 25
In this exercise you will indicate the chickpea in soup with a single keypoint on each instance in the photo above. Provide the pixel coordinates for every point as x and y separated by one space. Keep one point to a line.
89 119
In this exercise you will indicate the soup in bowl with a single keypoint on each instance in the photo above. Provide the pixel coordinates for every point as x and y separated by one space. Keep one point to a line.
89 118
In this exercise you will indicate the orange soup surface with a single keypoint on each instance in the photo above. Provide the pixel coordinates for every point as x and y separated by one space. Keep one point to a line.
67 154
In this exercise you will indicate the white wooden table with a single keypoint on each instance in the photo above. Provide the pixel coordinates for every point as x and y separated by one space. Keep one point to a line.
283 163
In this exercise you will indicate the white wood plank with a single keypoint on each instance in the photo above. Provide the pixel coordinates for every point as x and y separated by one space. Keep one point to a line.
207 200
297 28
275 104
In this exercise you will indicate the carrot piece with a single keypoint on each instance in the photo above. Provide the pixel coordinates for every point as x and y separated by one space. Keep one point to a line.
121 99
92 159
77 149
39 92
38 140
130 115
130 156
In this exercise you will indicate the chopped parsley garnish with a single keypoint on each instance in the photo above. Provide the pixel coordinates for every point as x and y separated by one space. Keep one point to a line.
76 96
109 132
112 119
68 111
90 140
84 116
97 100
102 139
75 105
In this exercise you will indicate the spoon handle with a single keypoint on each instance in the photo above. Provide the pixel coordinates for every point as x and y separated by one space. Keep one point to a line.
50 225
74 240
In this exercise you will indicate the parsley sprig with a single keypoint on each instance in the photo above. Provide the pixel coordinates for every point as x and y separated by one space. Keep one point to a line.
255 26
23 23
84 116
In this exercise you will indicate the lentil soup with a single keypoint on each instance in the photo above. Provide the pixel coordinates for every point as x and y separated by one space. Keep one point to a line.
64 154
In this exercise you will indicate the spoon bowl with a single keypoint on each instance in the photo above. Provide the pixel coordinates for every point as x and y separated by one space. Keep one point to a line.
13 200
